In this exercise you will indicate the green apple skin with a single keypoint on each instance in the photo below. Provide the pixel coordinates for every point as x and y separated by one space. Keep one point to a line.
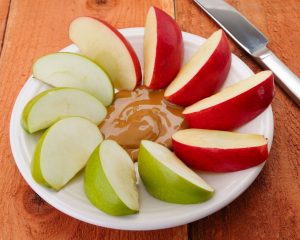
27 109
99 191
35 163
166 185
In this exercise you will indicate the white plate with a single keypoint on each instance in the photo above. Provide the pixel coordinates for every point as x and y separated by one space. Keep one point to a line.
154 214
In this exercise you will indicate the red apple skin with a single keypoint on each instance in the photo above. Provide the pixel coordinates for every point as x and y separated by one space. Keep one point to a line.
236 111
209 78
136 62
220 160
169 51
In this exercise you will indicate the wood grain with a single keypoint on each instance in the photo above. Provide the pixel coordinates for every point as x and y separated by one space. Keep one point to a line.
35 28
270 208
4 9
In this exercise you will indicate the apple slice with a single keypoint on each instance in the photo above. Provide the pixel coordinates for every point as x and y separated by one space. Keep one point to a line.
163 49
219 151
204 74
234 105
63 150
52 105
110 180
106 46
73 70
167 178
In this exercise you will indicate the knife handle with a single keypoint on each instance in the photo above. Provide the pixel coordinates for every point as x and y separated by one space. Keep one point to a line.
285 77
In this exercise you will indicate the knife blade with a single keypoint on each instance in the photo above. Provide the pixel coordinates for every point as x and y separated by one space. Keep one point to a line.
253 42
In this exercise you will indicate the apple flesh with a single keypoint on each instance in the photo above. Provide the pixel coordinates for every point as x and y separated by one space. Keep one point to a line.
204 74
63 151
233 106
76 71
106 46
169 179
52 105
219 151
163 49
110 180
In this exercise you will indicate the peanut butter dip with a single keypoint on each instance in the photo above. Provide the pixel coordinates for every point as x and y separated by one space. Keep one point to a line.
141 114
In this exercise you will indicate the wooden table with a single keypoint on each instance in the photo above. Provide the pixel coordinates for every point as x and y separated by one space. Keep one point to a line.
269 209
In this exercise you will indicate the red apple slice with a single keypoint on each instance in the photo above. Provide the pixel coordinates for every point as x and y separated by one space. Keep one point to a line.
234 105
219 151
204 74
105 45
163 49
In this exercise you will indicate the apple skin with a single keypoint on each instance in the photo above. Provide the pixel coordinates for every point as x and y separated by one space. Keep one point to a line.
208 79
166 185
236 111
169 51
35 165
97 186
220 160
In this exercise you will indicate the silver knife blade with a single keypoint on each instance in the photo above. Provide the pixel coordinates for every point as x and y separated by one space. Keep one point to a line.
236 25
253 42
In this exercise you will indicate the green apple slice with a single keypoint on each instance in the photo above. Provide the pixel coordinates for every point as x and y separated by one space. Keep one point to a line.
167 178
73 70
63 151
52 105
110 180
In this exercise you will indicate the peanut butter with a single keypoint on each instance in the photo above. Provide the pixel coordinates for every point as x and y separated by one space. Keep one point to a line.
141 114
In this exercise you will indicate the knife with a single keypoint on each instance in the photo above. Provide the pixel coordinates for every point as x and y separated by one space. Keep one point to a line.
253 42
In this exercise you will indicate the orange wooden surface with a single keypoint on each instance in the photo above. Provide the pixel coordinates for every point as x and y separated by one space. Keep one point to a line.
269 209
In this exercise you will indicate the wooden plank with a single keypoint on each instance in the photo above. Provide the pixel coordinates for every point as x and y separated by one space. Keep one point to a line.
270 208
4 9
36 28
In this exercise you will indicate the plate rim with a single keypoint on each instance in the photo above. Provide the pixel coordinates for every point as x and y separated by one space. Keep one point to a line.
187 218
